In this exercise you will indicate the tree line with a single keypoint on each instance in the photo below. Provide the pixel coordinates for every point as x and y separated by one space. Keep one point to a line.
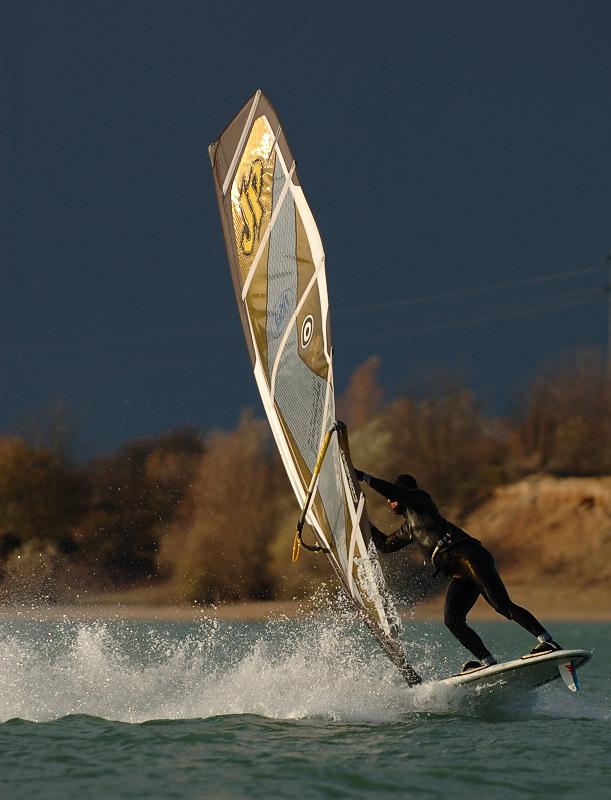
211 517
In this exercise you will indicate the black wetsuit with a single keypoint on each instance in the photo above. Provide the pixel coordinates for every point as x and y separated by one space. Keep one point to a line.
453 552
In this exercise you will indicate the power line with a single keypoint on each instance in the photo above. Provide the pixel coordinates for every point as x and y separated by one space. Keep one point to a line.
608 290
445 324
461 293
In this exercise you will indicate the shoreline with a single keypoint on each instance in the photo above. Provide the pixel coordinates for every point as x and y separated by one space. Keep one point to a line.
570 607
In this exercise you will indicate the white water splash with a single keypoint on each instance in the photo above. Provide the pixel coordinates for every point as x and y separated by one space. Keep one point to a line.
283 669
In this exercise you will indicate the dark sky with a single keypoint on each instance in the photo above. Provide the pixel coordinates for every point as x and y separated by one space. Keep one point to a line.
456 156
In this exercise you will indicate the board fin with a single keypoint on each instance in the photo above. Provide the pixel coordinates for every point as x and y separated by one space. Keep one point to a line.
568 673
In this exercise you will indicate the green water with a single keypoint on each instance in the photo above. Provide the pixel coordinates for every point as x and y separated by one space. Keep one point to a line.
286 709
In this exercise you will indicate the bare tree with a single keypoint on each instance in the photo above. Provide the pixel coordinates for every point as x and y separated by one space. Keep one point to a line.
223 553
363 398
563 421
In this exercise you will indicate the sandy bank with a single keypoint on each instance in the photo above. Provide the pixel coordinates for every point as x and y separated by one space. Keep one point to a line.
549 604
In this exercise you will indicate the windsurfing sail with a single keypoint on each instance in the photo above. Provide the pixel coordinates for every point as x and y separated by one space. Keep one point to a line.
277 264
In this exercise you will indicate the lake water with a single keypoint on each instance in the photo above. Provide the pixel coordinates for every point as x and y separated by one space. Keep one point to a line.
286 709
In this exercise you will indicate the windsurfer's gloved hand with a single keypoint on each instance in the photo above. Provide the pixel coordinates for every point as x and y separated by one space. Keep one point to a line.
361 476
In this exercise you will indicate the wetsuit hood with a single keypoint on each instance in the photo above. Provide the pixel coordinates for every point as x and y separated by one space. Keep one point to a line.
406 480
410 483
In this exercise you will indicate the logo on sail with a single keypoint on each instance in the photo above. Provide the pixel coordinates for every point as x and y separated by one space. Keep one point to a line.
278 313
307 329
251 207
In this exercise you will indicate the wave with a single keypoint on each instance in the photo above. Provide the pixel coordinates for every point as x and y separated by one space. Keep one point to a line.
283 669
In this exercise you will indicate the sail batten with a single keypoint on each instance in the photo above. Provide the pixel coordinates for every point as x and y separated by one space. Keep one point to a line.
267 234
289 328
277 264
245 132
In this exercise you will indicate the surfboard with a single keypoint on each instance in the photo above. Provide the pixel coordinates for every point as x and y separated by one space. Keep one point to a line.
527 672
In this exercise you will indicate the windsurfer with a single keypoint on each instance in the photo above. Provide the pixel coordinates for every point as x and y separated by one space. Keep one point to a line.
468 564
